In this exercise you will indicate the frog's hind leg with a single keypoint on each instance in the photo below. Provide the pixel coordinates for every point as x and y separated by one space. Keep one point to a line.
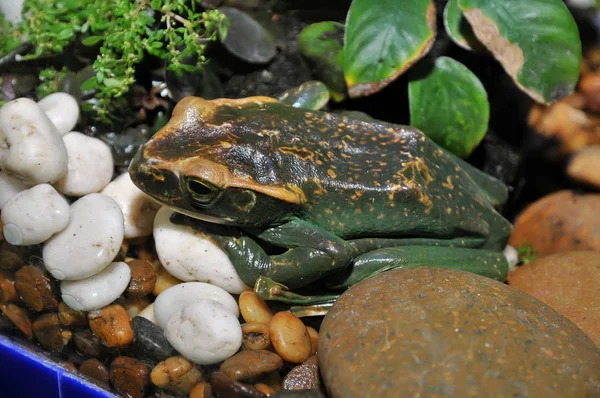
491 264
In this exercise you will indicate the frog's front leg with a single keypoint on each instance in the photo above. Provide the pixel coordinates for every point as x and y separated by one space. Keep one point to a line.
311 254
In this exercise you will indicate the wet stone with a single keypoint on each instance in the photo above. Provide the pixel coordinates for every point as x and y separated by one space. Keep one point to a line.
559 222
70 317
88 345
149 343
250 365
50 334
95 370
224 387
36 289
11 257
176 375
303 377
569 283
299 394
112 326
143 278
8 292
433 332
584 166
129 376
18 318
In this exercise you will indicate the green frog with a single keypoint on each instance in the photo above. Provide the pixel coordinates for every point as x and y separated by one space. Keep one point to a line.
313 195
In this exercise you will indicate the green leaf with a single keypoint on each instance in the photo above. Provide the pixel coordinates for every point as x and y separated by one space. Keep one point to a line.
536 41
89 84
111 82
383 39
458 28
321 44
156 4
91 40
449 104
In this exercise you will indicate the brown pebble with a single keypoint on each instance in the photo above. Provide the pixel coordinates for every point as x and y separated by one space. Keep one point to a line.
273 380
559 222
584 166
253 308
223 386
435 331
164 280
18 317
95 370
176 375
589 86
290 337
50 334
143 278
250 365
129 376
12 256
303 377
8 293
35 289
265 389
314 339
68 365
135 305
569 283
255 336
88 345
201 390
112 326
69 317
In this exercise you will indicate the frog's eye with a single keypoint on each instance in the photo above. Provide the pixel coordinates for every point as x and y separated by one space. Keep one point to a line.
201 192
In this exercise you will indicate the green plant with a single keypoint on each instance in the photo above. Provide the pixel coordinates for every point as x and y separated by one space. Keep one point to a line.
536 42
124 33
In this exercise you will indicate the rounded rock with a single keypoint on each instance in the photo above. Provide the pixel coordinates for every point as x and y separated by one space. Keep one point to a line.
559 222
256 336
138 208
62 109
290 337
90 167
32 216
36 289
584 166
112 326
254 309
179 296
567 282
176 375
50 334
95 370
90 241
189 255
129 376
143 278
149 343
249 366
205 332
35 152
9 187
435 331
96 291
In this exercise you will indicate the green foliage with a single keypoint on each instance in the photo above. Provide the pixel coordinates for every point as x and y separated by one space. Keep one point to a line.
526 254
450 104
125 31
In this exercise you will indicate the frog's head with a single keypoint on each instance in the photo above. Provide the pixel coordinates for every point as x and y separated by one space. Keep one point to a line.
203 164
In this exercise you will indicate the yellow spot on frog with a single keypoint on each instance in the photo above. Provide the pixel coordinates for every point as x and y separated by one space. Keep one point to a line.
448 184
331 173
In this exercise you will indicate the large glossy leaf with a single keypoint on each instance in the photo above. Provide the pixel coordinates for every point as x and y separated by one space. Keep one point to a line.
536 41
458 28
383 39
449 104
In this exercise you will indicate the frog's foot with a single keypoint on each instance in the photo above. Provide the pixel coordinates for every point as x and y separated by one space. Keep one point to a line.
296 267
492 264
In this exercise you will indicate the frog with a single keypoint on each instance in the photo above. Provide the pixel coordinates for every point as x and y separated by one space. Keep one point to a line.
299 195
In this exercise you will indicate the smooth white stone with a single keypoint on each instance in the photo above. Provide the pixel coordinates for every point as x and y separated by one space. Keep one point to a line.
138 208
148 313
98 290
90 168
32 216
62 109
90 241
176 297
9 187
189 255
512 256
205 332
31 148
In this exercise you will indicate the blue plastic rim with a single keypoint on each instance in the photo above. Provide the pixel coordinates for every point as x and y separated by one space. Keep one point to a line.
24 374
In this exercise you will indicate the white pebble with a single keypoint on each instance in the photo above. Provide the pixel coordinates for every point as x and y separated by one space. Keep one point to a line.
9 187
90 168
189 255
512 256
62 109
177 297
148 313
138 208
31 147
34 215
96 291
205 332
90 241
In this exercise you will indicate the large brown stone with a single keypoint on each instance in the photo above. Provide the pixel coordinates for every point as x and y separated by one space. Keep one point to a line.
432 332
567 282
559 222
